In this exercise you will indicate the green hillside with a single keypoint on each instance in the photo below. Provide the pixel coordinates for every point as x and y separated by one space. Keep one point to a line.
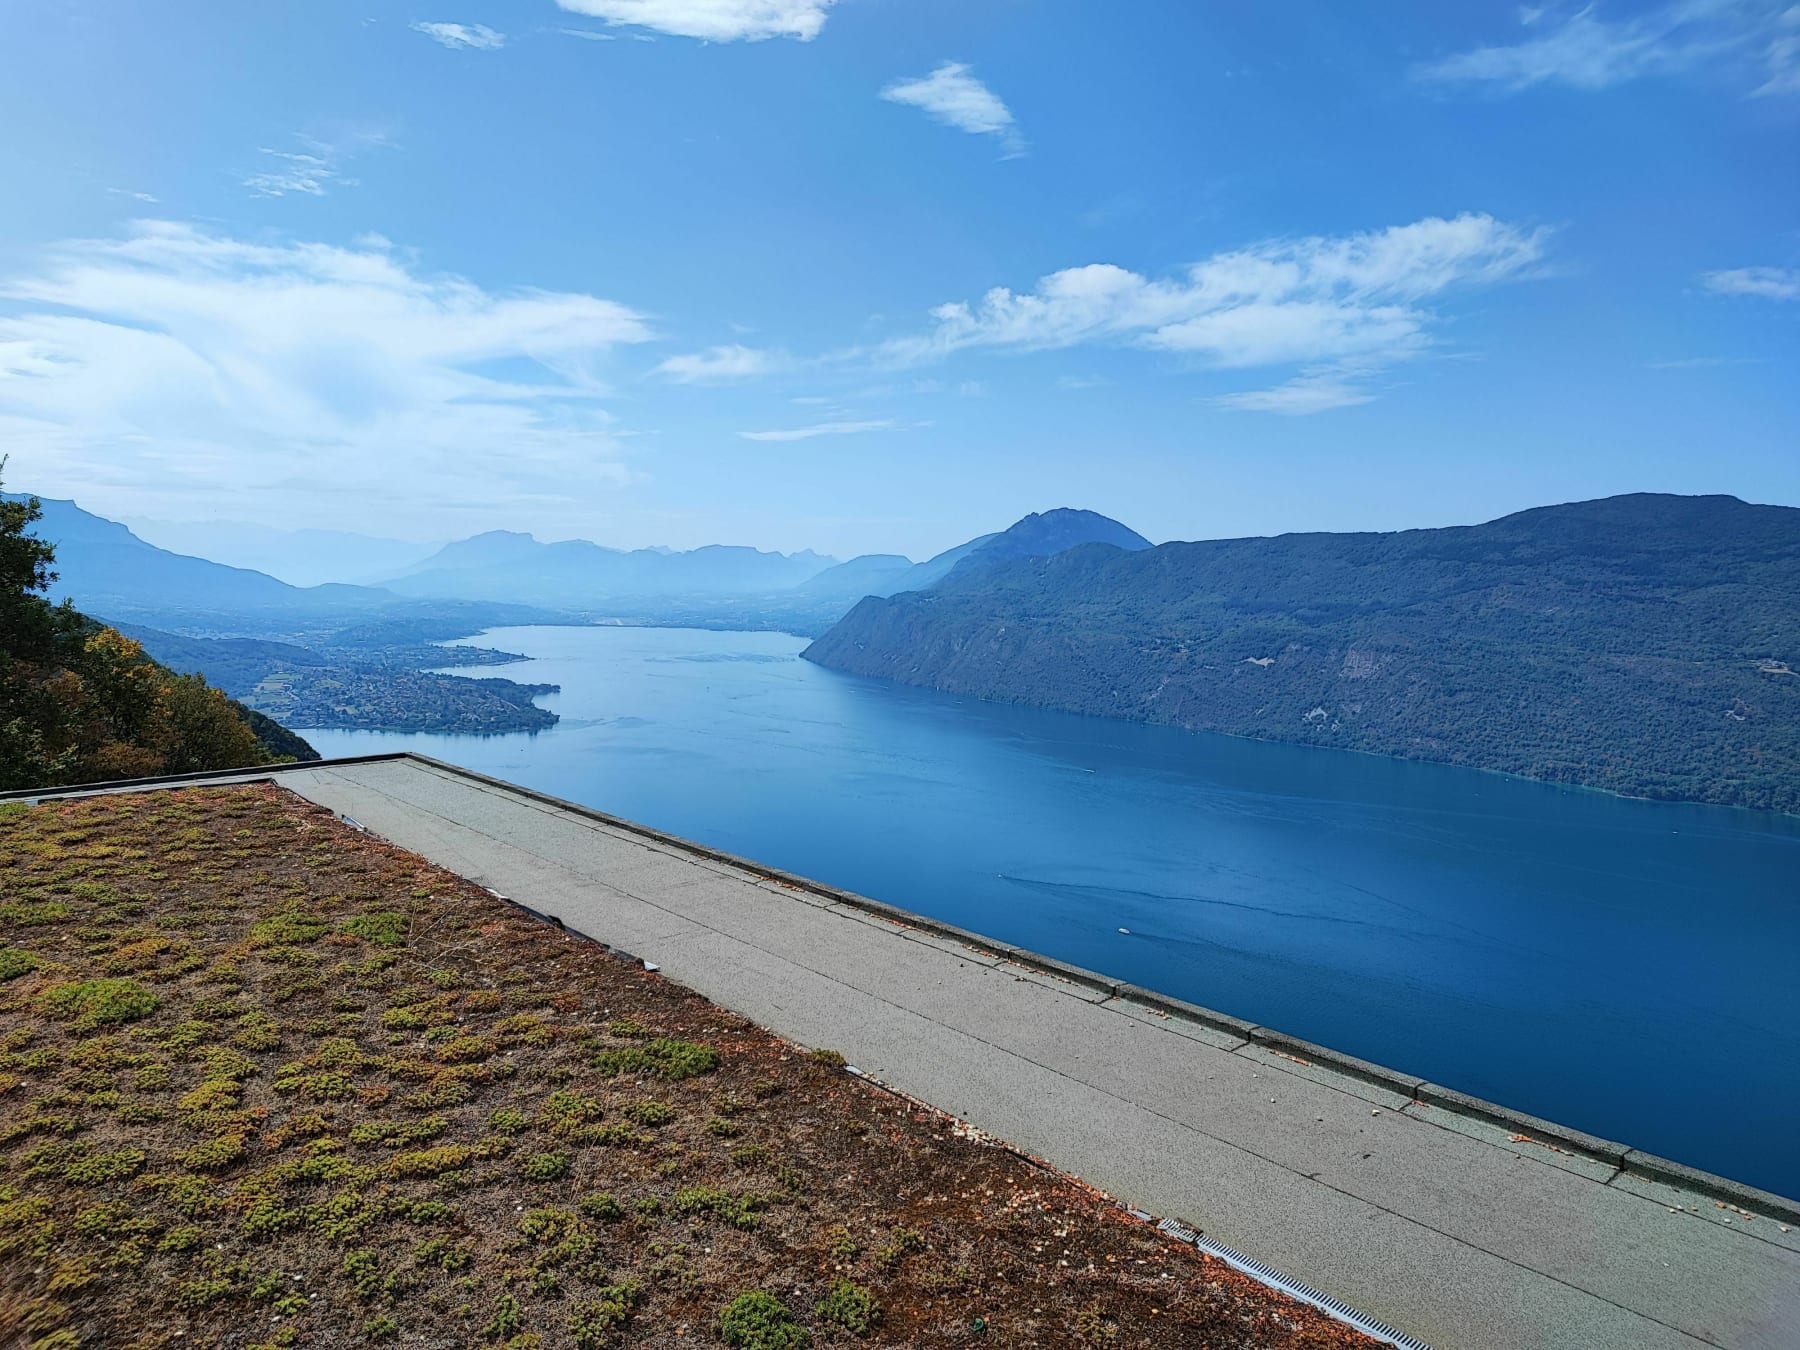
1642 644
80 702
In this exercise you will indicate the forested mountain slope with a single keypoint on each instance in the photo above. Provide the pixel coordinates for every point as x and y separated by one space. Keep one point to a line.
1644 644
80 702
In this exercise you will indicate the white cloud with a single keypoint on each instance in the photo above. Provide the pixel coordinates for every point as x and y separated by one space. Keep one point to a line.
728 362
712 20
1767 283
588 35
1356 301
821 429
957 99
135 196
313 170
312 175
1757 41
464 36
175 368
1316 392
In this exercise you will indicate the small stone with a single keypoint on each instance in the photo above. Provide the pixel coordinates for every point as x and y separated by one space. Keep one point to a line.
1376 1111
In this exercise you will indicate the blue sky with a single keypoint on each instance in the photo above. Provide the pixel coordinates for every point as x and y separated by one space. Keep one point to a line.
879 275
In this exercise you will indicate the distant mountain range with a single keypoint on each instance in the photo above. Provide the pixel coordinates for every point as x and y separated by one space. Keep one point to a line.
497 578
298 557
109 572
574 573
1645 644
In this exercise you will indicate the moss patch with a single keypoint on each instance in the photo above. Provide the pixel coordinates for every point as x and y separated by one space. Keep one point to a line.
266 1082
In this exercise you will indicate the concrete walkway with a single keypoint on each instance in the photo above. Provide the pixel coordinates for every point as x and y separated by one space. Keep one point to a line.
1450 1227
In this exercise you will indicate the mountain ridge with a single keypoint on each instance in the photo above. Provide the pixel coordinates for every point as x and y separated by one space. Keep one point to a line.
1619 643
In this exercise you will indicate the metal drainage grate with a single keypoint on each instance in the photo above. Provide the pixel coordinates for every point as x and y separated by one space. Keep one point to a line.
1294 1288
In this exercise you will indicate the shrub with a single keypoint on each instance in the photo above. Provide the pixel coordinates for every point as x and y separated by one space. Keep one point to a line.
760 1321
851 1307
831 1059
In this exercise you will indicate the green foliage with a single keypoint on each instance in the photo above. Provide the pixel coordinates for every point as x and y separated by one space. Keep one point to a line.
86 1004
740 1211
292 927
660 1058
594 1320
385 929
546 1167
98 1168
563 1113
850 1306
602 1206
507 1320
900 1243
649 1114
843 1246
508 1120
14 962
759 1321
82 703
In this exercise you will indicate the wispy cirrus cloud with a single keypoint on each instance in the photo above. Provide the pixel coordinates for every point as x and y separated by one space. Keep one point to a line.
462 36
1585 49
1765 283
1305 394
820 429
730 361
712 20
313 170
178 367
295 171
1340 308
954 97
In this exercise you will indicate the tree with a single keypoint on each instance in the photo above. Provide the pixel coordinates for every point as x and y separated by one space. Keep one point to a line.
80 702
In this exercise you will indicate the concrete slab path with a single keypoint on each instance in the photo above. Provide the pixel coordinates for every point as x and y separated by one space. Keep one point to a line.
1453 1229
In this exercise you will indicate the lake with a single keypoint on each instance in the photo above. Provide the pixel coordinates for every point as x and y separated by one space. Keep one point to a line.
1629 968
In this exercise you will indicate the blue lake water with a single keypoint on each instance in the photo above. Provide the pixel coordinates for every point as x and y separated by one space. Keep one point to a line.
1629 968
